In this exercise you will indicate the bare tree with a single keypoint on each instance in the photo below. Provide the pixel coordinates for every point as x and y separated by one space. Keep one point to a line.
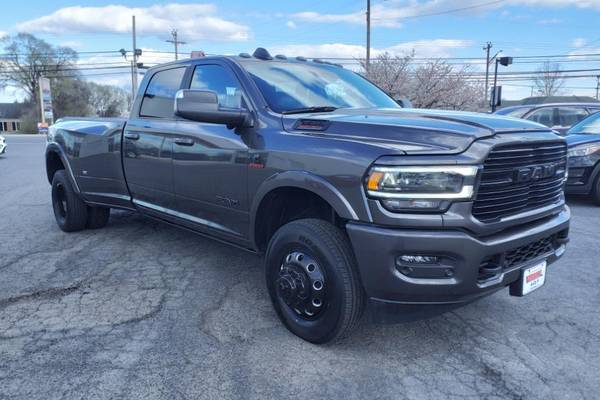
107 100
391 73
28 58
549 79
438 84
435 84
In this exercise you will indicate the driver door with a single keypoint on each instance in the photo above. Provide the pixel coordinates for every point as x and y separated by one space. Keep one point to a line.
210 161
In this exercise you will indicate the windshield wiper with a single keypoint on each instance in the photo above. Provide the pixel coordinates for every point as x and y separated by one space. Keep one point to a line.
310 110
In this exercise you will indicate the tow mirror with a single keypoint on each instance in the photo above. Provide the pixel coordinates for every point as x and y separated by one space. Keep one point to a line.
203 106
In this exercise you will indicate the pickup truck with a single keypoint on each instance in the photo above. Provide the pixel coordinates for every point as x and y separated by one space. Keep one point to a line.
355 203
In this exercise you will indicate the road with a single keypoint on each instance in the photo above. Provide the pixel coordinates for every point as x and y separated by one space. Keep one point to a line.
141 310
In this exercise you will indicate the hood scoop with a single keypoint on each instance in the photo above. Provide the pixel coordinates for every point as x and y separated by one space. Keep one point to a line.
315 125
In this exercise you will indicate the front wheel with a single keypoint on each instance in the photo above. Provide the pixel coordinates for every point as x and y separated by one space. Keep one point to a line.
596 191
313 280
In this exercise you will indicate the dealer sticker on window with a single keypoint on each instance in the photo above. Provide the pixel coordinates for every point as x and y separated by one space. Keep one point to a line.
533 277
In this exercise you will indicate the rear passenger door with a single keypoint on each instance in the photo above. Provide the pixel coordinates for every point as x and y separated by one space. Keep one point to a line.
148 143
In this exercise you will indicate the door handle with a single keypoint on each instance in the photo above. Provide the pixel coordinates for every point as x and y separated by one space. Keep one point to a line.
184 141
132 136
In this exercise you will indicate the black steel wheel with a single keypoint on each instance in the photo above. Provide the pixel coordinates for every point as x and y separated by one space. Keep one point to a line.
313 280
70 211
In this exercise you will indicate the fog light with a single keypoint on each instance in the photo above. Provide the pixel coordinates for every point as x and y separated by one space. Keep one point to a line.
414 259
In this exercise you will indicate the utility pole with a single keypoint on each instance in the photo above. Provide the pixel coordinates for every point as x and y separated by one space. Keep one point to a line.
487 48
175 42
368 35
134 72
597 87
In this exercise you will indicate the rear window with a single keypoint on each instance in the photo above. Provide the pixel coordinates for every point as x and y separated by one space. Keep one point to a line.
515 113
159 98
569 116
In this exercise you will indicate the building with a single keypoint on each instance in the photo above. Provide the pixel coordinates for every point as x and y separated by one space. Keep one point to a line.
10 116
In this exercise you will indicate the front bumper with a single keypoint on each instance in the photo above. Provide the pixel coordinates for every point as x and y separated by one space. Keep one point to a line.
581 179
469 267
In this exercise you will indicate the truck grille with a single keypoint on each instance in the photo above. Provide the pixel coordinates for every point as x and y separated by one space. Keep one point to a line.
520 177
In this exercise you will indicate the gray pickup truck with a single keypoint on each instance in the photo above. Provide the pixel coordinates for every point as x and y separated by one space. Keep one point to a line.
355 203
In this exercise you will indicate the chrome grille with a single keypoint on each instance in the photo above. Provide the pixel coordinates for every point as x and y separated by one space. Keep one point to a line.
501 192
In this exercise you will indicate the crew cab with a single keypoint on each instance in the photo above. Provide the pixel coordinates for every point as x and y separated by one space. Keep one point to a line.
354 202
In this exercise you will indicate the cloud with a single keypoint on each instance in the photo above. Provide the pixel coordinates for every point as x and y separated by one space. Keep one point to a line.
550 21
194 21
422 48
2 34
579 42
311 16
291 24
71 43
391 13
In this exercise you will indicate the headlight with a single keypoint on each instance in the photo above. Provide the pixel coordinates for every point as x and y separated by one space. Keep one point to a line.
583 150
424 188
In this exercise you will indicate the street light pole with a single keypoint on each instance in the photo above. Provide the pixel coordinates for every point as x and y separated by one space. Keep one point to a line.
495 88
506 61
134 71
597 87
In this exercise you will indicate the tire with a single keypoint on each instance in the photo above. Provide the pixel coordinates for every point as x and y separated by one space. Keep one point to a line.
293 250
97 217
596 191
69 210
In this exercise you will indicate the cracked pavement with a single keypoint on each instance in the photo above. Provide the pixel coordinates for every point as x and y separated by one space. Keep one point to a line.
143 310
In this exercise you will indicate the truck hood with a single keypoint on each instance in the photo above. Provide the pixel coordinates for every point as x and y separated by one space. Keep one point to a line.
411 131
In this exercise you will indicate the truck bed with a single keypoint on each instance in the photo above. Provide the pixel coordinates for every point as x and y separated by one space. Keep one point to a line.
92 147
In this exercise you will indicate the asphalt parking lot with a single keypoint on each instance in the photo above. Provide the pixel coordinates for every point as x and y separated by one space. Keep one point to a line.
143 310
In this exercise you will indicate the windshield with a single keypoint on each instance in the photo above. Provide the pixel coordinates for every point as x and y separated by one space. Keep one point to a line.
302 86
587 126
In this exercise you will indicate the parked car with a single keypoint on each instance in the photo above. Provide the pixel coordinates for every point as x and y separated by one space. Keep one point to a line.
2 145
558 116
583 140
352 200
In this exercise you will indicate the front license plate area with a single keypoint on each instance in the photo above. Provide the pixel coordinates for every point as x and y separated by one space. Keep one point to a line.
532 278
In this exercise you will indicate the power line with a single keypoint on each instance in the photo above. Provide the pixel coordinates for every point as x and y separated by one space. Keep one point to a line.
432 14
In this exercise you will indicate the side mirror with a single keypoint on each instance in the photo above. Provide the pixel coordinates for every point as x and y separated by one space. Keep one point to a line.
404 103
203 106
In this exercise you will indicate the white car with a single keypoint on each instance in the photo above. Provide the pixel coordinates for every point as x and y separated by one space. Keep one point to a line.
2 145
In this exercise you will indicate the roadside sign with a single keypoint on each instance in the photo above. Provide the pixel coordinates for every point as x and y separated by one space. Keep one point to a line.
496 98
42 128
46 101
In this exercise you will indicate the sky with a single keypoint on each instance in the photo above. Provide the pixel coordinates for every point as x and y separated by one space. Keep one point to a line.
318 28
